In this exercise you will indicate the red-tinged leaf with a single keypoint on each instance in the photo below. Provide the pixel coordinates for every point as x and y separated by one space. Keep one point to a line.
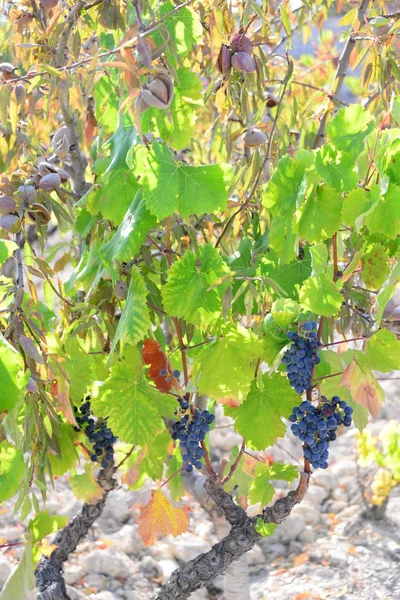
59 389
154 356
364 388
159 518
90 126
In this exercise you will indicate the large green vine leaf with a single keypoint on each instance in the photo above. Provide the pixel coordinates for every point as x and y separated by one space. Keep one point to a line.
187 293
259 418
133 406
225 367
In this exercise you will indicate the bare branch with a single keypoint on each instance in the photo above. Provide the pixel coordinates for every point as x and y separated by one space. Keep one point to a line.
339 75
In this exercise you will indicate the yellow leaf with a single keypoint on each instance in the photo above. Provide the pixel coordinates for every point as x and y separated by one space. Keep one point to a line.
85 486
159 517
216 27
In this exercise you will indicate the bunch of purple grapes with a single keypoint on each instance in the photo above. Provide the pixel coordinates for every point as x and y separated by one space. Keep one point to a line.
190 430
316 426
302 356
100 436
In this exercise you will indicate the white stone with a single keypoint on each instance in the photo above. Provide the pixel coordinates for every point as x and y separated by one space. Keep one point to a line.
188 546
73 573
337 506
308 511
116 509
324 479
150 567
200 594
75 594
126 540
277 549
308 535
349 511
168 566
109 562
12 534
343 468
6 568
103 596
339 494
96 581
290 528
317 494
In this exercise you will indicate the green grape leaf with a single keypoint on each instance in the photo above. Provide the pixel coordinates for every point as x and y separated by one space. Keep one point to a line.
135 319
280 197
159 177
337 168
261 489
321 296
21 580
385 217
152 464
187 293
202 190
12 469
285 312
319 258
386 293
285 278
79 366
320 215
175 485
349 128
363 386
265 529
225 367
356 204
11 376
130 235
85 487
44 524
132 404
383 351
259 418
115 195
375 266
67 451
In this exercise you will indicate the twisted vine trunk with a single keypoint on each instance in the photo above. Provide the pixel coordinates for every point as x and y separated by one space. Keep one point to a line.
236 579
48 573
242 537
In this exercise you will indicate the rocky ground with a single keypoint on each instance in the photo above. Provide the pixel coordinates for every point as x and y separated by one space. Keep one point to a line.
325 549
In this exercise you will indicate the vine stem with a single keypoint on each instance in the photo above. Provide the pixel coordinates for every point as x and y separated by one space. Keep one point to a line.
174 319
335 257
328 376
357 339
173 475
236 463
207 460
126 457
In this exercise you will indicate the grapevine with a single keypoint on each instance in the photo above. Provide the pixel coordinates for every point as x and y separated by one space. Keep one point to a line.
190 430
316 426
302 357
99 435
